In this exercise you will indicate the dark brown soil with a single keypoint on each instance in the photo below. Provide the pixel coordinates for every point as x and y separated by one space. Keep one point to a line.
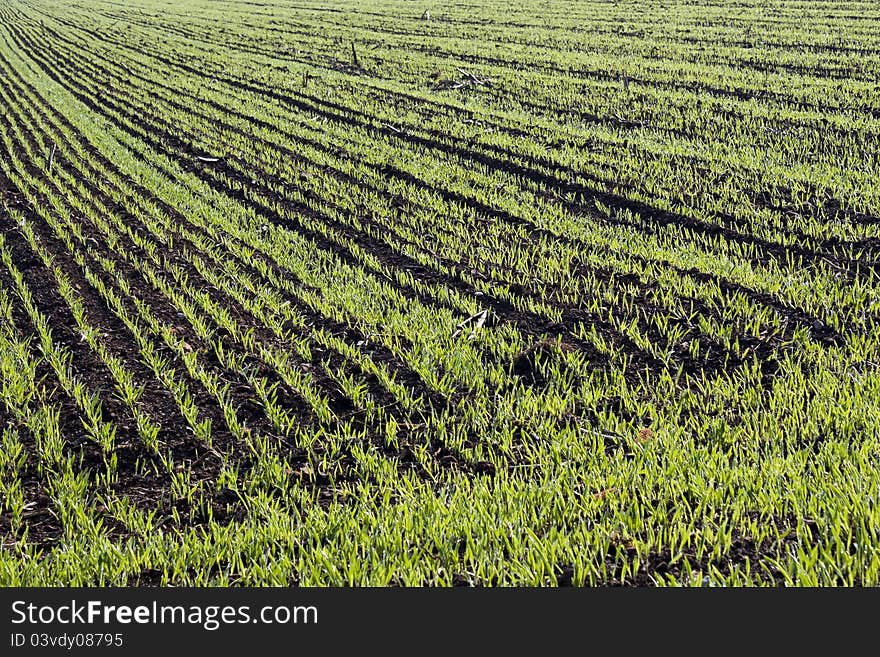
103 190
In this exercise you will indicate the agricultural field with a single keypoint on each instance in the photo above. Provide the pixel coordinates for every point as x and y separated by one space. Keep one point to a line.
486 293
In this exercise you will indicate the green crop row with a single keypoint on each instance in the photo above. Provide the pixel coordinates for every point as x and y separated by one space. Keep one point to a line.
360 293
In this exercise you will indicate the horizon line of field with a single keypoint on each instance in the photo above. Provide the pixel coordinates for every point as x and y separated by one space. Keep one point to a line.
656 55
581 29
745 93
325 60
